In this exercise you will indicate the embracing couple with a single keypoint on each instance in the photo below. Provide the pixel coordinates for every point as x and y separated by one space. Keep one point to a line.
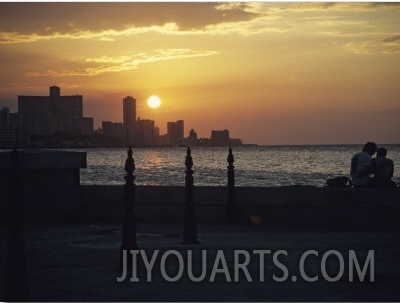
372 172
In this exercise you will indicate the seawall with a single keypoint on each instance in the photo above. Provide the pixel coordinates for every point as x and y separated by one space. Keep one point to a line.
293 206
52 194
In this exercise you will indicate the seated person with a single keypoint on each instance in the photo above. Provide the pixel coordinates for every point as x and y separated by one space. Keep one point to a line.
383 169
361 166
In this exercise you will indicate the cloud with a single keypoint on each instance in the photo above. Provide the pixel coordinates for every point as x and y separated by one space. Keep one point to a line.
35 18
337 33
31 22
227 6
382 5
111 64
91 21
336 6
392 39
106 35
254 26
392 51
370 48
361 48
341 22
345 28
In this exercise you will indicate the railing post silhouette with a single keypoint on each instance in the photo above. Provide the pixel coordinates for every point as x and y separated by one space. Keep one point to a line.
231 210
16 280
129 217
190 226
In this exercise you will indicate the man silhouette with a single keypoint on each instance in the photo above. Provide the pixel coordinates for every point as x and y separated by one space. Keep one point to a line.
361 166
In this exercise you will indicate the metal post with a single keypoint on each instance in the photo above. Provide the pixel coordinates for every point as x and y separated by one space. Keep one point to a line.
129 218
16 281
231 211
190 227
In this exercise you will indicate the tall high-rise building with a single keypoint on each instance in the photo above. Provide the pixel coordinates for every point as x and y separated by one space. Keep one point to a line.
175 132
129 119
145 132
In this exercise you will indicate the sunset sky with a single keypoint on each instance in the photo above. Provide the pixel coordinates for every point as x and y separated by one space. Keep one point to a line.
271 73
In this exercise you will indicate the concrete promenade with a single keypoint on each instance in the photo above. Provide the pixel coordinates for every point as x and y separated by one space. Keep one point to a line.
80 263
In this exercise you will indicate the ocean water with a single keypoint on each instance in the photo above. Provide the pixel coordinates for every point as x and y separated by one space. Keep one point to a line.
265 166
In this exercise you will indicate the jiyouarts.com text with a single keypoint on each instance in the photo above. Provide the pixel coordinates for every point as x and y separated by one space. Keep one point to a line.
256 265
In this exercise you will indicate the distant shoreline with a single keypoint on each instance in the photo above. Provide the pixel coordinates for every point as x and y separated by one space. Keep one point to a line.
196 146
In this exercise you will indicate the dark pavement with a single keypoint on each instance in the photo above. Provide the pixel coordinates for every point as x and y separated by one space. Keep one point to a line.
80 263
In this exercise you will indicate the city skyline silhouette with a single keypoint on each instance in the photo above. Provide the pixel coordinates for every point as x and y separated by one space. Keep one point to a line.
57 120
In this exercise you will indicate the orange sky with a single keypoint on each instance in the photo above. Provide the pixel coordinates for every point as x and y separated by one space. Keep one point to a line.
271 73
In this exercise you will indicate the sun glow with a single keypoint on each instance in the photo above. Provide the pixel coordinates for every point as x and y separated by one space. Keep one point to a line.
154 102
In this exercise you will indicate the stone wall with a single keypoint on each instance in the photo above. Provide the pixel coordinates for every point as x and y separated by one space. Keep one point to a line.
294 206
53 195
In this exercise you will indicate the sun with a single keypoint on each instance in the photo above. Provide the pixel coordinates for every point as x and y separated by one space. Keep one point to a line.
154 102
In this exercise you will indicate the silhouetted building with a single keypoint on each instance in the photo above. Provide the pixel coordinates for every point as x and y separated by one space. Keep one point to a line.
145 133
192 135
162 140
204 141
129 119
10 129
192 140
45 115
113 129
4 116
55 91
156 132
175 132
8 134
87 125
219 137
